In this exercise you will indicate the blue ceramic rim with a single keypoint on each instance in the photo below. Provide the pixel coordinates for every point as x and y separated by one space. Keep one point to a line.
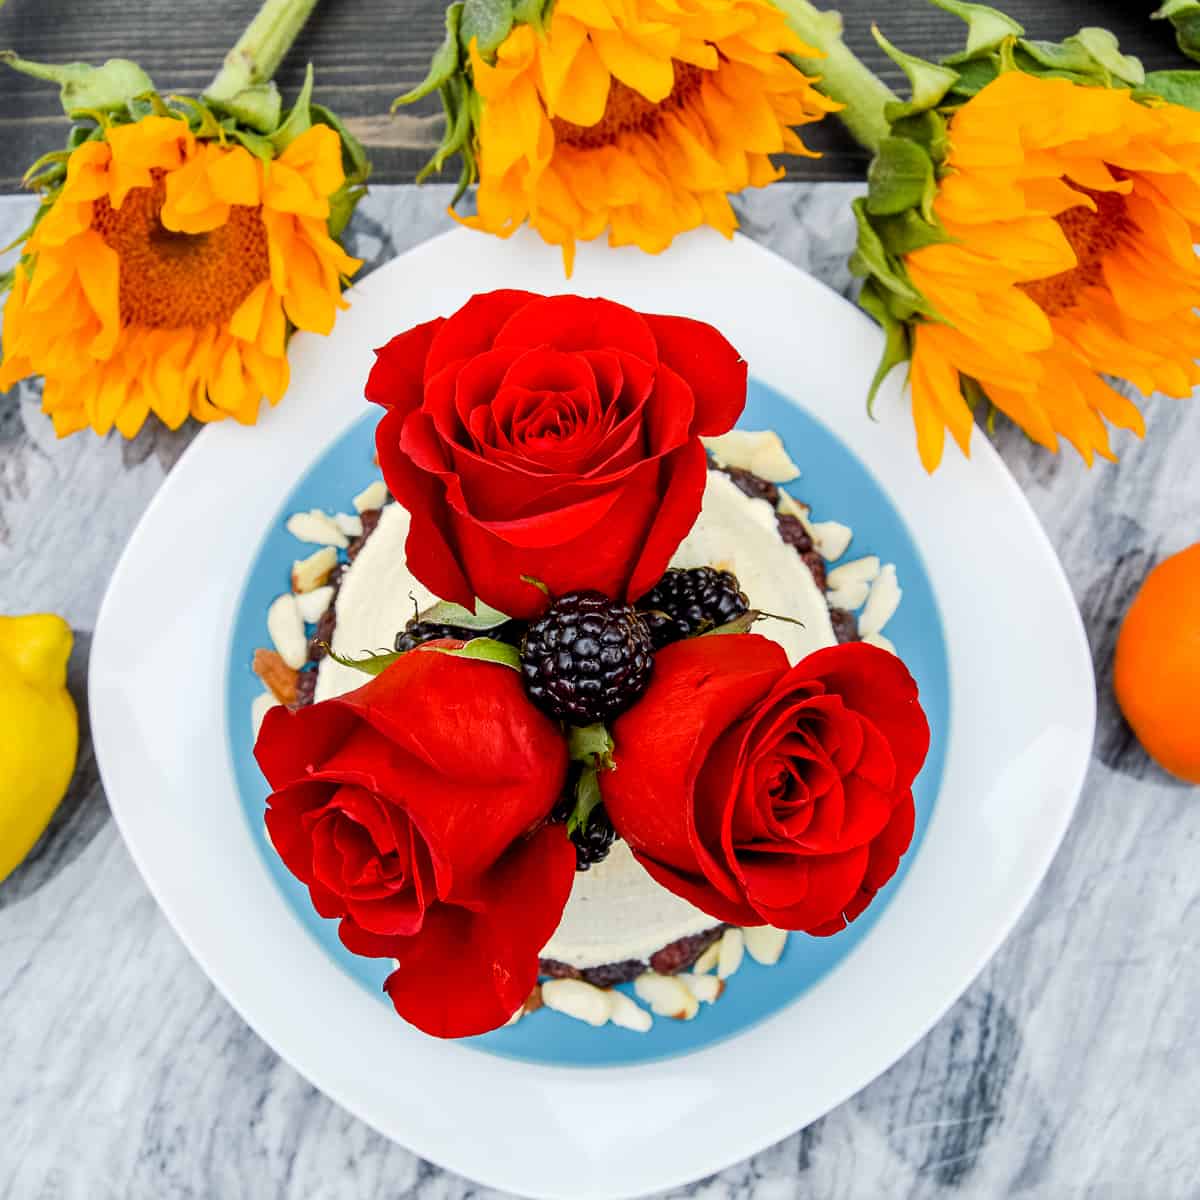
839 486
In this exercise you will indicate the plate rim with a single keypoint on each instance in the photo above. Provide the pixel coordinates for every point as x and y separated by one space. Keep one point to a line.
708 1157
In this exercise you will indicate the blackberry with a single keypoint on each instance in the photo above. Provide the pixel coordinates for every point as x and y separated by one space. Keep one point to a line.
593 842
417 632
587 658
684 603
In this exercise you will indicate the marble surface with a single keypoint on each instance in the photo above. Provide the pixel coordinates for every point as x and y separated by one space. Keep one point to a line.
1068 1069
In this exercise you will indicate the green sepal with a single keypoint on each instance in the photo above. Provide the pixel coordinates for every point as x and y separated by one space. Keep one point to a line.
258 108
870 258
986 27
1185 16
900 177
897 347
929 81
106 89
531 12
256 143
1175 87
446 61
591 744
372 664
1068 57
972 392
7 279
299 118
905 232
487 23
1104 49
587 800
974 76
486 650
927 129
456 96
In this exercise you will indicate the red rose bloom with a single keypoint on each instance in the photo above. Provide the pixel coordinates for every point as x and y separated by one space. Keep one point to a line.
764 793
555 438
412 809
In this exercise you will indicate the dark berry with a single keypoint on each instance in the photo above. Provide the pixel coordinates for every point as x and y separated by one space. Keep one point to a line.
587 658
306 686
370 519
322 636
680 955
753 486
792 530
845 624
684 603
594 841
610 974
816 565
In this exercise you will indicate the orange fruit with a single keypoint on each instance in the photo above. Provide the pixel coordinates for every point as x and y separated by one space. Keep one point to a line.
1157 670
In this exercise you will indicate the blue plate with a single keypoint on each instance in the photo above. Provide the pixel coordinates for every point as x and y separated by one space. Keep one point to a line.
839 487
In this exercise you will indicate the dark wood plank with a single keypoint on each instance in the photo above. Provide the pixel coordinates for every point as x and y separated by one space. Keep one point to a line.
366 51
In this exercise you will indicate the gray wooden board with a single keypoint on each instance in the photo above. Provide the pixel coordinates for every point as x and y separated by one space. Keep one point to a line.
368 51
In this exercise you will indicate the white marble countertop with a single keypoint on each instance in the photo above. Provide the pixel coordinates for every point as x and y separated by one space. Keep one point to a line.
1068 1069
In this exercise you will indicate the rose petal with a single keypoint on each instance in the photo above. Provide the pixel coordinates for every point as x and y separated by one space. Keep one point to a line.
397 375
468 971
715 370
473 329
576 323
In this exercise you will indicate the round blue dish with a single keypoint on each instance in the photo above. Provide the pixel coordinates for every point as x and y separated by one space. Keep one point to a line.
838 486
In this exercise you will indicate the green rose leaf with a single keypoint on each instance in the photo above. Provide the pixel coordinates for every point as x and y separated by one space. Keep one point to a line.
445 62
372 664
487 22
106 89
445 612
487 650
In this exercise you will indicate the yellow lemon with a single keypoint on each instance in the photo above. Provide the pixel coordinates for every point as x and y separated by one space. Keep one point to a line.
39 731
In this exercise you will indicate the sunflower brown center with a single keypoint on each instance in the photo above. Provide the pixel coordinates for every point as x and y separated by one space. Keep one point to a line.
171 280
628 111
1092 235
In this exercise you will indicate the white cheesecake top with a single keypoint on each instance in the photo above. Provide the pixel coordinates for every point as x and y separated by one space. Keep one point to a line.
616 911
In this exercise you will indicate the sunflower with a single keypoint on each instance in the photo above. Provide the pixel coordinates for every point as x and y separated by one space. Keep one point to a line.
1072 213
1028 232
165 274
635 116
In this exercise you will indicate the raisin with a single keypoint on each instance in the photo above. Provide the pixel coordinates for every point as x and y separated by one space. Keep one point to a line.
680 955
792 530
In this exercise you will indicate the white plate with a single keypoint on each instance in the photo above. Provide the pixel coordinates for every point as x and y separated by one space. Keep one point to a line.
1022 717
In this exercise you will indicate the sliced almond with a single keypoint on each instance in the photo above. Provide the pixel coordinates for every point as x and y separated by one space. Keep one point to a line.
349 523
849 596
831 538
733 946
881 604
260 706
313 572
765 944
759 451
313 605
577 999
277 677
708 960
884 643
667 996
374 495
318 527
629 1015
286 628
704 987
532 1003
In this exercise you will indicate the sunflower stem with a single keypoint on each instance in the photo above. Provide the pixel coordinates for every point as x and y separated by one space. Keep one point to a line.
843 76
257 54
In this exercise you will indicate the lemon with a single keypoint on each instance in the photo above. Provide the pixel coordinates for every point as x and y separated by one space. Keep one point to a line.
39 730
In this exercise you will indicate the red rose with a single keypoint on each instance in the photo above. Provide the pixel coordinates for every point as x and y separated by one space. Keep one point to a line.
764 793
412 810
550 437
